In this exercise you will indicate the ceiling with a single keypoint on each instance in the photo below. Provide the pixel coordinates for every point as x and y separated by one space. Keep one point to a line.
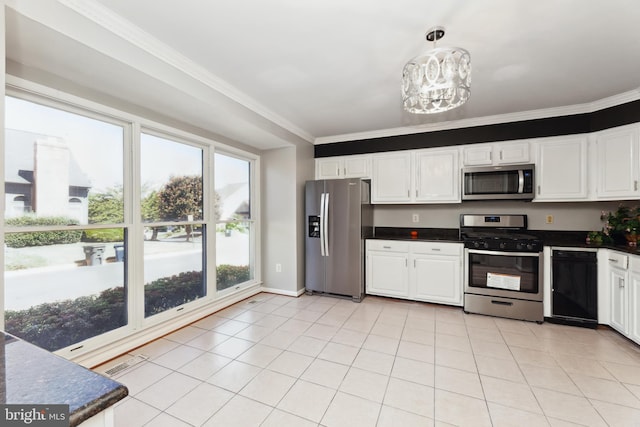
267 73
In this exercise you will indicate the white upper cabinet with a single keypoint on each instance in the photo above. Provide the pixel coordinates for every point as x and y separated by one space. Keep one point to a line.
496 154
561 169
391 177
343 167
422 176
437 176
617 163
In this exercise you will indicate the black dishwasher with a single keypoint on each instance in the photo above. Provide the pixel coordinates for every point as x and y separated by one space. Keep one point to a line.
574 286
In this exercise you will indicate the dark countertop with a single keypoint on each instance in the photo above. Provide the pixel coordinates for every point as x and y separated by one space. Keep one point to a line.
572 239
31 375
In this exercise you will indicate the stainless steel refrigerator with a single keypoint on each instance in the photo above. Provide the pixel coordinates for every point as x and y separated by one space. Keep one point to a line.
339 217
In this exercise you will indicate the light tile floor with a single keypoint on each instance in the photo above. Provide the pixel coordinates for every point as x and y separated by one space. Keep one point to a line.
276 361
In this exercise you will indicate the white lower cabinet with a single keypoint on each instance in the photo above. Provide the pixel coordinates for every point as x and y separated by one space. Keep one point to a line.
624 288
421 271
618 278
634 306
387 272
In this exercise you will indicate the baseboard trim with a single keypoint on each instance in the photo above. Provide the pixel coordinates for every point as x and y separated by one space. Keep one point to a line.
282 291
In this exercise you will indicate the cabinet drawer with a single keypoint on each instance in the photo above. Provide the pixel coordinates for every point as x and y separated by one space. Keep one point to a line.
436 248
388 245
619 260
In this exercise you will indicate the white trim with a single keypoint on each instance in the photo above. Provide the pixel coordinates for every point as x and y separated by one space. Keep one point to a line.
139 330
101 354
611 101
282 291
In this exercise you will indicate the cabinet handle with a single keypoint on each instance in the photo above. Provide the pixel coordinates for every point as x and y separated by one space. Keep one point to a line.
386 247
635 185
538 190
409 193
613 260
621 283
416 193
500 154
436 249
490 156
414 263
406 263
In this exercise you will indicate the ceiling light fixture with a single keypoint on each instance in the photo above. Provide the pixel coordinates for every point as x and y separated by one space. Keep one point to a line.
437 81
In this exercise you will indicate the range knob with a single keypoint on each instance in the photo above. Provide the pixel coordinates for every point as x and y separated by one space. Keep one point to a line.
530 246
476 244
503 245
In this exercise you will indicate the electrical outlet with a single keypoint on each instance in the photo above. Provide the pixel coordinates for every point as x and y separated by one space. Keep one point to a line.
549 219
278 268
416 218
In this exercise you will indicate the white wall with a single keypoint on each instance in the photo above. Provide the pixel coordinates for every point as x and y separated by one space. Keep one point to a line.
284 172
566 216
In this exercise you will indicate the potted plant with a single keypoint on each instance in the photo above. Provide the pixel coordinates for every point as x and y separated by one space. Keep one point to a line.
621 226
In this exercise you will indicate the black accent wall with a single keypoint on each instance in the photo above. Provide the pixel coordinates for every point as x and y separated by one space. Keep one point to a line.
552 126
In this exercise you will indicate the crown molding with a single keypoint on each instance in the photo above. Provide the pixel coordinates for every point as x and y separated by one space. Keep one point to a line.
134 35
586 108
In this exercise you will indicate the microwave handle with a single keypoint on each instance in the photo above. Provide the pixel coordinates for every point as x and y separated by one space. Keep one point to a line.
520 181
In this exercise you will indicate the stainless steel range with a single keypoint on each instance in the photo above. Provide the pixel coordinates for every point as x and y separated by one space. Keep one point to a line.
503 267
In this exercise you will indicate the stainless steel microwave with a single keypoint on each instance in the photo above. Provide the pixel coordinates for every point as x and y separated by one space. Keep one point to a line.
498 182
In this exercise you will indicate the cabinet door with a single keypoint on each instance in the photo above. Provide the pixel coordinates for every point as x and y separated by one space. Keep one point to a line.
391 178
329 168
512 152
387 274
617 281
357 167
477 156
561 171
437 176
437 279
617 163
634 306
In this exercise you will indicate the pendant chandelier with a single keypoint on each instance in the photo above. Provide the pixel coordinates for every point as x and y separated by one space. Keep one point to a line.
437 81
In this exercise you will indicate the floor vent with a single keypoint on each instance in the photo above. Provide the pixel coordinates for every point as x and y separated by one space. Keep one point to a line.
126 364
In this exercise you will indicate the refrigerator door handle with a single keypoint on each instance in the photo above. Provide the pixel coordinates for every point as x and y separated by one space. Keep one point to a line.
325 219
322 231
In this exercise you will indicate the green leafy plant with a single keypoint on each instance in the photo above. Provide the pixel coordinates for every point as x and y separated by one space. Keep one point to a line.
55 325
41 238
229 275
104 235
623 221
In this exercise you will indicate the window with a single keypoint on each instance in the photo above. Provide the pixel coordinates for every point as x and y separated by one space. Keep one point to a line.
62 281
234 230
172 209
109 230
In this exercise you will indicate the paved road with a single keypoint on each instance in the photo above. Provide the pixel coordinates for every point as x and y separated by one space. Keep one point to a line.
60 276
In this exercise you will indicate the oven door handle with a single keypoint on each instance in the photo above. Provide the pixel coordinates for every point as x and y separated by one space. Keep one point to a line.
501 253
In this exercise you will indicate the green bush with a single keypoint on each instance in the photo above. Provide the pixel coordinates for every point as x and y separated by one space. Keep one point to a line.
168 292
103 235
55 325
229 275
41 238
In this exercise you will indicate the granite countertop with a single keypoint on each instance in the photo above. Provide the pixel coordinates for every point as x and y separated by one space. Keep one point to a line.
572 239
31 375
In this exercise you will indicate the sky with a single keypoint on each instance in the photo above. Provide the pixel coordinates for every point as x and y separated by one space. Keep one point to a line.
98 148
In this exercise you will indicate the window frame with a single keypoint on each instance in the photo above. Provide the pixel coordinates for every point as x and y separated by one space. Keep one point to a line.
133 126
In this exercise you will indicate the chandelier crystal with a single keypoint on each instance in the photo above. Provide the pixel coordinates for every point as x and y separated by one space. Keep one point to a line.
437 81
